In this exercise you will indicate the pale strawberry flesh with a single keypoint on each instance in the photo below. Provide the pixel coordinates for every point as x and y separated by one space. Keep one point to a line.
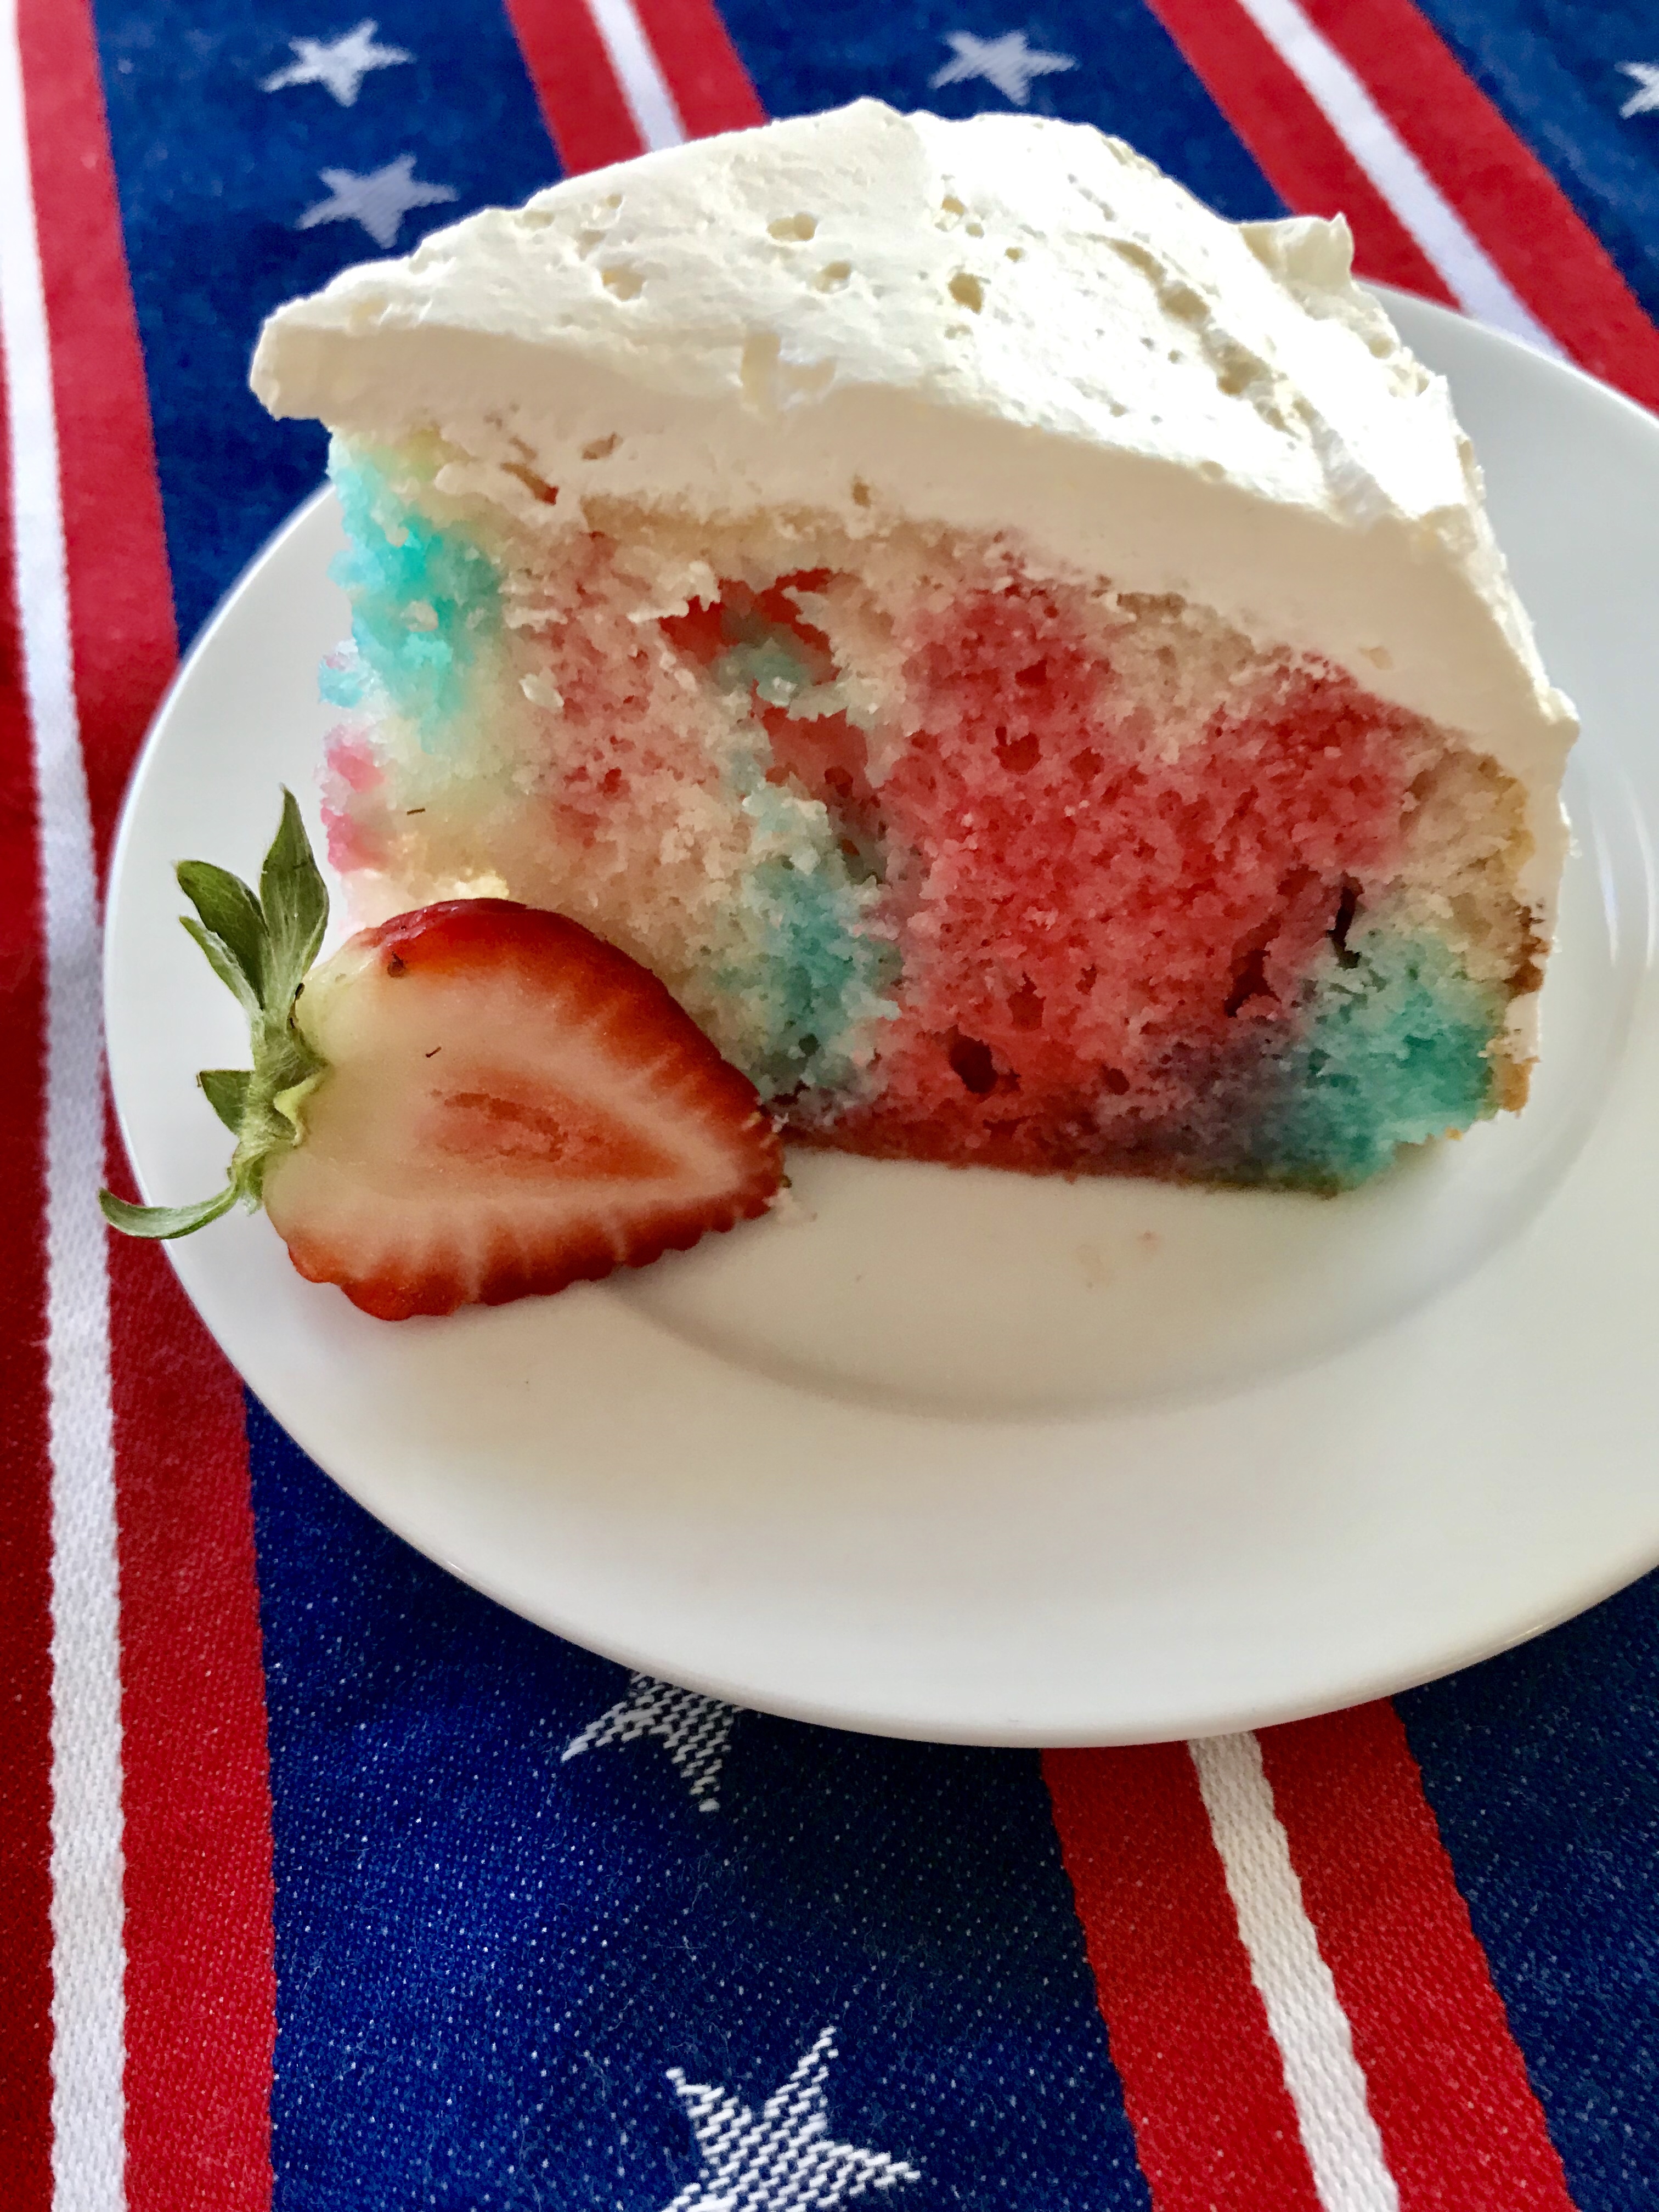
511 1105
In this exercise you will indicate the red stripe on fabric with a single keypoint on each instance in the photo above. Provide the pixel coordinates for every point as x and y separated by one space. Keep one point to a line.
1284 126
1202 2079
582 103
200 1982
1509 199
694 49
1461 2127
120 599
24 1465
201 1973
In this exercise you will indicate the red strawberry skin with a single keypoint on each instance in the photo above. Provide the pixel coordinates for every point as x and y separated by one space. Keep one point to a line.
511 1105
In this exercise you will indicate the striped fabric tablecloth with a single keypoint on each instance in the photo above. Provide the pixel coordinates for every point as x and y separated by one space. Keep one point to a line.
322 1881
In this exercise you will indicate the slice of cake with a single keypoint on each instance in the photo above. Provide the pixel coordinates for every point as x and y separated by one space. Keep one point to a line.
1023 659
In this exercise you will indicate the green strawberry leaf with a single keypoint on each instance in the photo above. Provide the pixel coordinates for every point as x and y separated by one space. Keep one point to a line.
226 966
226 1090
229 912
295 903
163 1221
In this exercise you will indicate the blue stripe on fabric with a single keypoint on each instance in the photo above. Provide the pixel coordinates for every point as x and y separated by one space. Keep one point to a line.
488 1957
1542 1767
1552 67
214 174
1127 77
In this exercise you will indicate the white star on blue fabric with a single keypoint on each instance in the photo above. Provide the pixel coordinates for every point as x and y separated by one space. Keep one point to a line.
785 2160
340 63
1007 62
1645 98
693 1729
379 201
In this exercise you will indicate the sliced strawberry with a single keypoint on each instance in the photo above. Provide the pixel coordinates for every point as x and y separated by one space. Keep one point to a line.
470 1103
508 1105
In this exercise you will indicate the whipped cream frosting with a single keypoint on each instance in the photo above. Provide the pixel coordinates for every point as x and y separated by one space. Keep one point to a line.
1007 324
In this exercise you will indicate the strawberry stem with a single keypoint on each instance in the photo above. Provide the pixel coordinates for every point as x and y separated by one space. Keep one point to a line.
163 1221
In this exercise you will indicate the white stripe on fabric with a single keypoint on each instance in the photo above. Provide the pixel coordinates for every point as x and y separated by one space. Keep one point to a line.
639 73
1307 2022
1471 276
87 1945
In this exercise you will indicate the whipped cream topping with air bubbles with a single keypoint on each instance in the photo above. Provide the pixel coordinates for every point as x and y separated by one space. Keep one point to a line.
1007 324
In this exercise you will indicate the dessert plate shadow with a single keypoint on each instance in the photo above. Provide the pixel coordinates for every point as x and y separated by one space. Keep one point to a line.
985 1459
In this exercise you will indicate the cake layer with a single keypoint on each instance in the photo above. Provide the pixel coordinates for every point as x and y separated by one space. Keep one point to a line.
955 858
1006 326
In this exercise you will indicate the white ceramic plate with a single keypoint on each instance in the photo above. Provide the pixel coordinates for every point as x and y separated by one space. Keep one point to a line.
968 1456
